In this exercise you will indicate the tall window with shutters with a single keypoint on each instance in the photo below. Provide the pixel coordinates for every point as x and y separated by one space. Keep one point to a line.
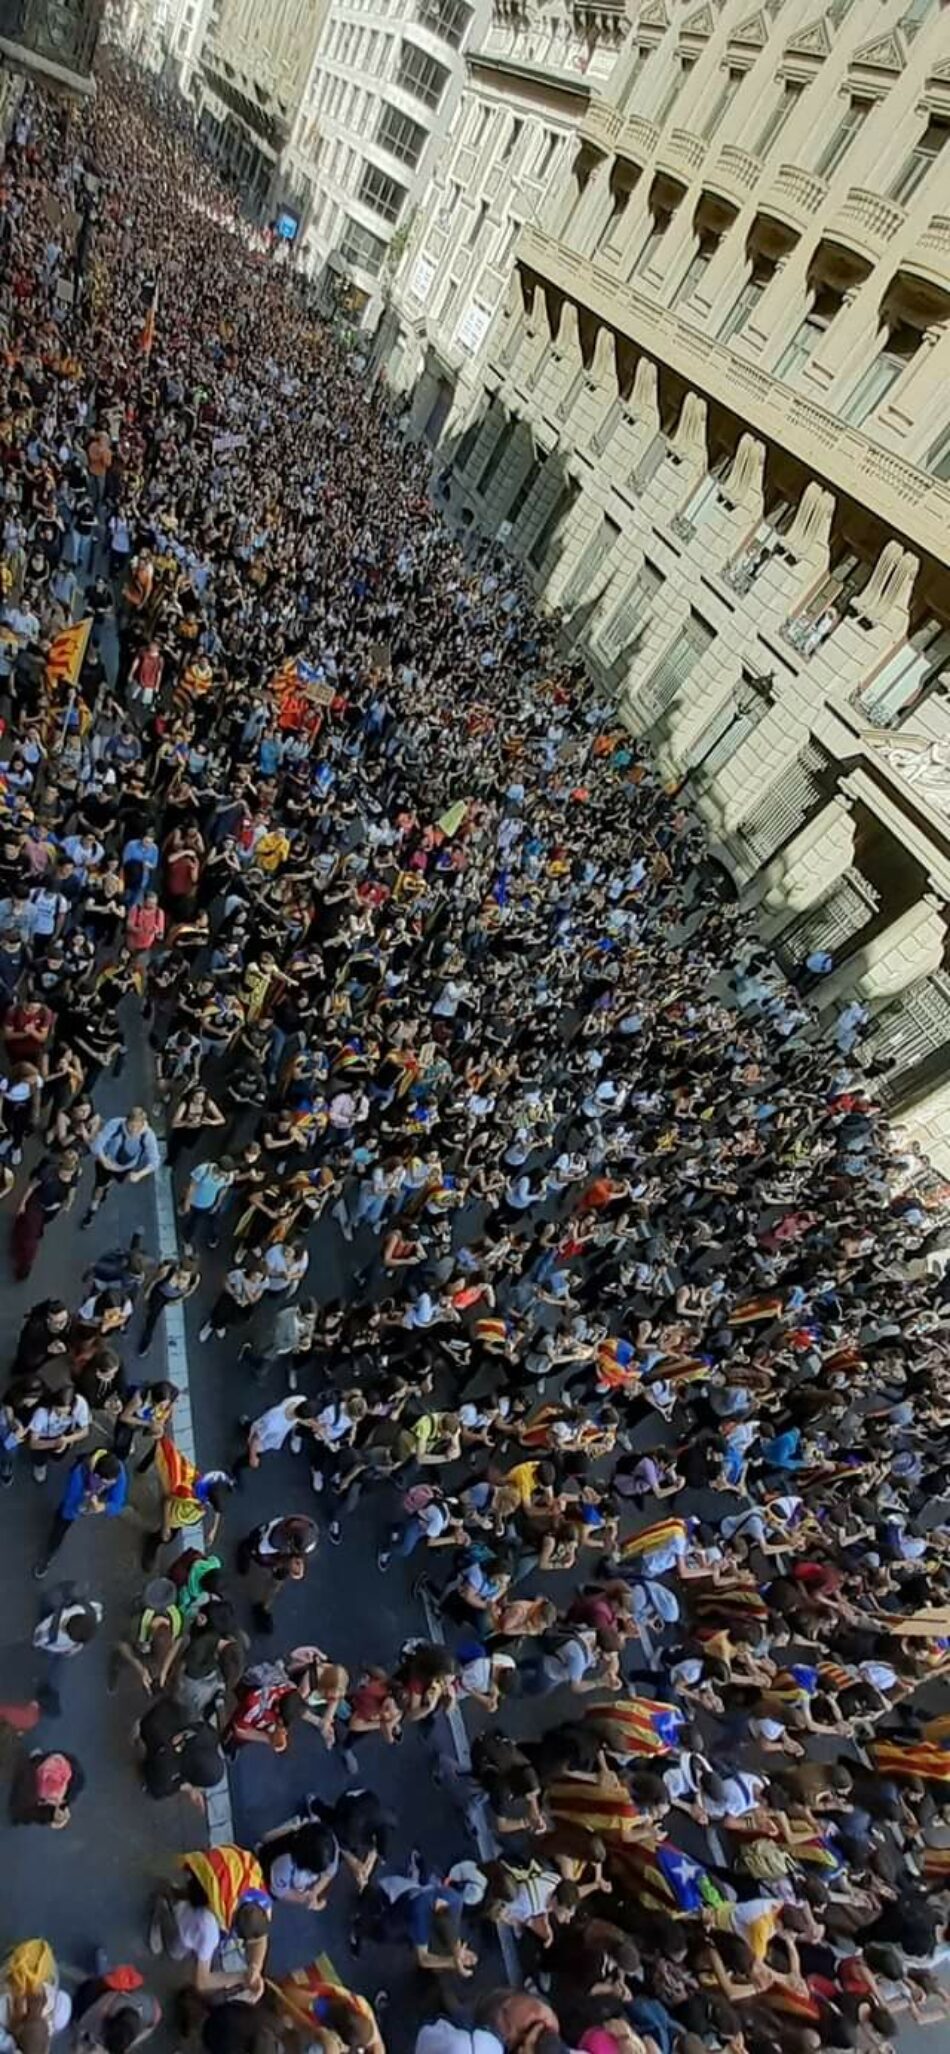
594 559
685 651
553 525
841 138
887 367
628 623
920 161
731 725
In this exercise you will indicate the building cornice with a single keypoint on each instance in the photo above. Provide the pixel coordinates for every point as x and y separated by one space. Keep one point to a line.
559 90
914 504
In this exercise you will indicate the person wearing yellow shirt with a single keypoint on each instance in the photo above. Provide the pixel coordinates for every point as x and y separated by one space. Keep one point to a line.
533 1481
271 851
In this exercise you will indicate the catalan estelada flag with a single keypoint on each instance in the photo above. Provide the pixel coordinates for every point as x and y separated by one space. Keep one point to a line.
752 1309
67 653
175 1473
637 1726
663 1878
230 1877
793 1686
617 1365
605 1808
302 1994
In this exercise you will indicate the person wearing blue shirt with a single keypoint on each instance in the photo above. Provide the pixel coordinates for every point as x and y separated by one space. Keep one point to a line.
97 1485
125 1152
139 860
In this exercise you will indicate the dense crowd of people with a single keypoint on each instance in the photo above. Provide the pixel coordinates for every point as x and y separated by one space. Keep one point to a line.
642 1346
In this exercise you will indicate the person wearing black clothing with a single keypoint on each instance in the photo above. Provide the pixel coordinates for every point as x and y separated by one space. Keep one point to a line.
172 1283
361 1825
50 1191
43 1333
180 1759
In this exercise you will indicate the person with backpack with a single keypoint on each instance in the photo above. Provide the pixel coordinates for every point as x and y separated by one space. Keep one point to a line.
579 1658
430 1517
61 1635
273 1555
267 1706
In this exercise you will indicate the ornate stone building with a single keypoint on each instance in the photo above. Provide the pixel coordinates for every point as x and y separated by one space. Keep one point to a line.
713 419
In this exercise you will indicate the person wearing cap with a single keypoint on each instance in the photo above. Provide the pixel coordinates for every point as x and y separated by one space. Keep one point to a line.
44 1788
113 2012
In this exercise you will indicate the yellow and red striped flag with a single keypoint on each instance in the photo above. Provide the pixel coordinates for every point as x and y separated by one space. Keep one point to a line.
636 1726
650 1539
912 1758
67 653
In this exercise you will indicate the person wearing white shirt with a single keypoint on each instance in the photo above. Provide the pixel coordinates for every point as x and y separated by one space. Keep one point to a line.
56 1427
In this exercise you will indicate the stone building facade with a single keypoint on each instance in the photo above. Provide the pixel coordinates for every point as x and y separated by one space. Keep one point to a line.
713 420
532 76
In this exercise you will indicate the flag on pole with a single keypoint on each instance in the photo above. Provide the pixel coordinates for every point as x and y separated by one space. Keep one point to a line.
67 653
451 820
147 337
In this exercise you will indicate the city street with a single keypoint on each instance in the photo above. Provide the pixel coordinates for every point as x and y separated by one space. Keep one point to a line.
96 1879
344 814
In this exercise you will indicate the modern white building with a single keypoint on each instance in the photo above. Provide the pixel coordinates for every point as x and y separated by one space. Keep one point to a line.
713 420
533 73
382 94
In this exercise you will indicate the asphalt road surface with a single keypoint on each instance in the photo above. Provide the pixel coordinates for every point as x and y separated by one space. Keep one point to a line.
91 1884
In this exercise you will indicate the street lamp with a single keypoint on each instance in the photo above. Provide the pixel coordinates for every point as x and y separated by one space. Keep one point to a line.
751 694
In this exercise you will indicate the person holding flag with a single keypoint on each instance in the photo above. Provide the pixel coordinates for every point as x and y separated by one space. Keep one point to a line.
190 1498
223 1899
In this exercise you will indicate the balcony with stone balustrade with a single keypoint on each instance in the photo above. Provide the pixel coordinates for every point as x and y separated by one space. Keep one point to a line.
866 222
929 256
681 153
601 126
794 196
914 504
734 173
638 139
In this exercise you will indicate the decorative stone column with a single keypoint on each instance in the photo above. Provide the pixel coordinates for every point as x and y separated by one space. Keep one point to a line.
805 870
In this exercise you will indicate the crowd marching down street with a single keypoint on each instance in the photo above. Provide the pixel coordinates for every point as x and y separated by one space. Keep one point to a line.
641 1352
